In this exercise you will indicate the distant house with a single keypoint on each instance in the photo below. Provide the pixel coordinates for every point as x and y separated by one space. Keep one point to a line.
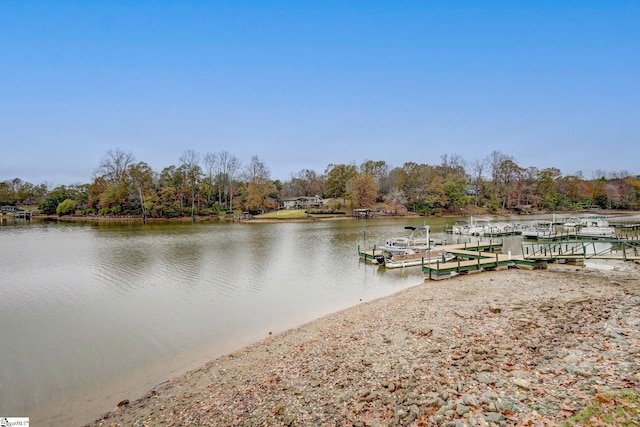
473 190
303 202
8 208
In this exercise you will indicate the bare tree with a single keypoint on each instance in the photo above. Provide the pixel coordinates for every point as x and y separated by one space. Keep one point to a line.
259 185
453 164
599 173
257 170
190 168
226 170
210 161
495 161
380 172
305 182
141 177
478 169
114 165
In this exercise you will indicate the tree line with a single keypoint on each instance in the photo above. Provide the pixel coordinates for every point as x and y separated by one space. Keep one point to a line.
219 183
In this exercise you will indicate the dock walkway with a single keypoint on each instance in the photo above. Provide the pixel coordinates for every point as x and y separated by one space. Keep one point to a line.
620 249
480 256
475 258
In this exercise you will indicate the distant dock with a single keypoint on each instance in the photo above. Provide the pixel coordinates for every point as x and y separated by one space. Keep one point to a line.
23 215
11 211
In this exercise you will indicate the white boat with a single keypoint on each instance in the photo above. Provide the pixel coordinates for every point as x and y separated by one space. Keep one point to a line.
418 237
594 221
597 231
478 226
572 223
472 227
501 229
460 226
408 257
537 229
596 226
414 249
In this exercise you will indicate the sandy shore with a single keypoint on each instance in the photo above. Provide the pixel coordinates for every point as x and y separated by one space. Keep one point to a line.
511 347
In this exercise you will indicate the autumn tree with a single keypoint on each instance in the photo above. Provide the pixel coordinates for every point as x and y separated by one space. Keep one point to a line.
633 192
395 200
416 184
305 182
379 170
505 174
546 187
362 190
141 179
453 164
259 190
453 180
110 178
337 178
172 184
17 191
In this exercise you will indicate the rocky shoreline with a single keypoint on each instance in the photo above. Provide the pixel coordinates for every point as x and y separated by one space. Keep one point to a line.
512 347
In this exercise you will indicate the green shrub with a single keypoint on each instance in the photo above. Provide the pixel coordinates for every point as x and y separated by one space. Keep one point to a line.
67 207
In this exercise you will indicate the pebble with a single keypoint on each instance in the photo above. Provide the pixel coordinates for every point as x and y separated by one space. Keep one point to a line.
430 355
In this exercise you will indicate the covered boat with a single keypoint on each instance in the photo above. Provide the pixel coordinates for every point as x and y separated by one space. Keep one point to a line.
413 249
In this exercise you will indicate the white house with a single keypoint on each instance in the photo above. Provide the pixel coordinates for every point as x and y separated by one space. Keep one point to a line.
303 202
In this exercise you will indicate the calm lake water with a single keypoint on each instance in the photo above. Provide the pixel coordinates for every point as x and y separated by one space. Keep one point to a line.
91 314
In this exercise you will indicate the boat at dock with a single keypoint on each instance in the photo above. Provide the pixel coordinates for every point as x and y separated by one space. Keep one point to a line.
496 229
478 226
538 229
407 257
572 223
460 226
471 227
414 249
417 238
596 226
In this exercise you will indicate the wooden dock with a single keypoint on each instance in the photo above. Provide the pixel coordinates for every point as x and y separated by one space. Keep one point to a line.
459 249
475 258
535 255
369 256
486 256
23 215
621 250
572 235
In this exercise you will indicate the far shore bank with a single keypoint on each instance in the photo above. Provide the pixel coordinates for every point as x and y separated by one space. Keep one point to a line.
310 218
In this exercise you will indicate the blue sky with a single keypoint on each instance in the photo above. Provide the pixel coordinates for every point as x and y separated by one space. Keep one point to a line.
304 84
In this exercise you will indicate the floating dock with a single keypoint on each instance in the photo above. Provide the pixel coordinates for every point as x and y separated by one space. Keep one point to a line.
620 250
487 256
535 255
475 258
369 256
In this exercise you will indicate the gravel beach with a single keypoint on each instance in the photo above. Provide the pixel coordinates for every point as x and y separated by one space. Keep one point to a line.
515 347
